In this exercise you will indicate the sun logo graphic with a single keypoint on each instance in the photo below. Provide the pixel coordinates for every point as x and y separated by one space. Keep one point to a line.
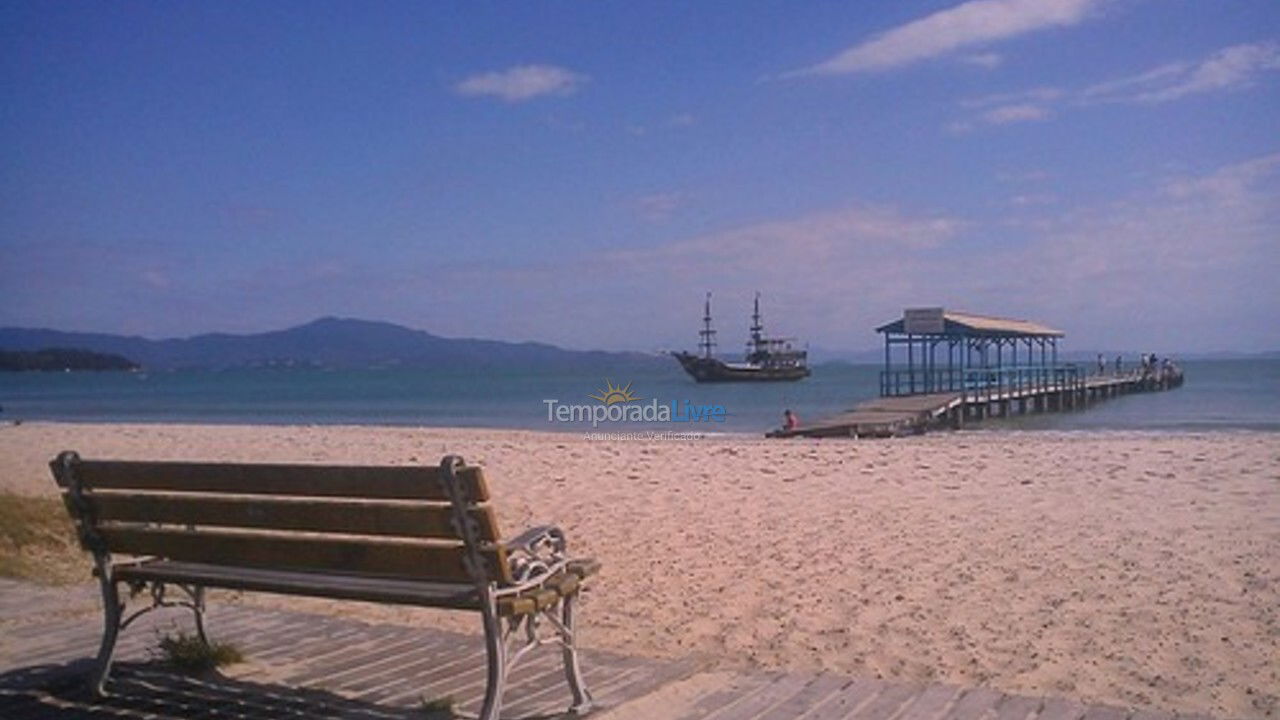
611 395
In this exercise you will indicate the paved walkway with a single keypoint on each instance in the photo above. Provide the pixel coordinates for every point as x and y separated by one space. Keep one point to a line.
314 666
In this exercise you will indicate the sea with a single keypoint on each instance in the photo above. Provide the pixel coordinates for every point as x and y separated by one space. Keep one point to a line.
1218 394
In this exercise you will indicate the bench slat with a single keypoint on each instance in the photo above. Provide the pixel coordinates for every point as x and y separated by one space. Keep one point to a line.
348 587
387 483
279 513
442 562
460 596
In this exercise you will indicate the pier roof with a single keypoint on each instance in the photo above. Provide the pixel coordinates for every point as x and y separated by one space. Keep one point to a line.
956 322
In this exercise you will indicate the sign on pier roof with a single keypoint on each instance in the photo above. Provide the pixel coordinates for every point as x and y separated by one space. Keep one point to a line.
923 321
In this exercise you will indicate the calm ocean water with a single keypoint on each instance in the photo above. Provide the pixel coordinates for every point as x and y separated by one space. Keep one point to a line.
1238 394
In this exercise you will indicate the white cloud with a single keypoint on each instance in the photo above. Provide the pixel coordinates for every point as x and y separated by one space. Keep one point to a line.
1188 258
1230 186
658 207
673 123
988 60
157 279
1024 176
1034 95
1192 257
1127 86
1032 199
844 255
523 82
1007 108
1009 114
857 227
968 24
1180 264
1233 67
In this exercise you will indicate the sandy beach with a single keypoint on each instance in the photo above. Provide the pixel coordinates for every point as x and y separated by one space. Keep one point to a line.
1126 568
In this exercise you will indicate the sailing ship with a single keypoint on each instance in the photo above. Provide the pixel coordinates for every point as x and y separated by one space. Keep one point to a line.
767 359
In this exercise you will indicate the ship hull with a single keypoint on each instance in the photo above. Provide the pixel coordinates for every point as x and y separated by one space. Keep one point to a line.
709 370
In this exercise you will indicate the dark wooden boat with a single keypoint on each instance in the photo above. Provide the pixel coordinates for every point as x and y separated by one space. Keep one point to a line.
767 359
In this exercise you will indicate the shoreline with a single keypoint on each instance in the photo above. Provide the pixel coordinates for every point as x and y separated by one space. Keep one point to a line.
995 426
1123 567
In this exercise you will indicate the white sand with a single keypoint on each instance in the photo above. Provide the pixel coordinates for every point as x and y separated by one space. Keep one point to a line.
1128 568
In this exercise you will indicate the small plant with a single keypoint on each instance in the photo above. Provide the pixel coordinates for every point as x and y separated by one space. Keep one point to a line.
440 708
188 653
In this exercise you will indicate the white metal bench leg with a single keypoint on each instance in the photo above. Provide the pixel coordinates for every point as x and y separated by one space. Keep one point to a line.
112 611
497 653
572 670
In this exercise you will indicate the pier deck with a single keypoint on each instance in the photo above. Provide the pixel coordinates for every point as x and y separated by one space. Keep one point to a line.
911 414
881 417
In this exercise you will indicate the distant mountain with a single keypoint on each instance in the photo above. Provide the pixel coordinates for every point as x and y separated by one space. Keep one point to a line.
331 343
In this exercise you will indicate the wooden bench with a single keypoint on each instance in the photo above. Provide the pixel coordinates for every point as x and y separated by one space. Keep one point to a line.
413 535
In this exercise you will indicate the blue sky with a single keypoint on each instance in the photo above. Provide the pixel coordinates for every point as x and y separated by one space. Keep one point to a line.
581 173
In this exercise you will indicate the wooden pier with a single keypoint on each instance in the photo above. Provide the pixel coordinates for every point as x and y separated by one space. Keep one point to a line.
913 414
973 381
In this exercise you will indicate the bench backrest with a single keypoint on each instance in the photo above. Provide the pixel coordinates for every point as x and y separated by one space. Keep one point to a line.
389 521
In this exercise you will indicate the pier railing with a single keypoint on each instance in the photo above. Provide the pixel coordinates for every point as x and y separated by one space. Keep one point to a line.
978 384
1009 383
894 383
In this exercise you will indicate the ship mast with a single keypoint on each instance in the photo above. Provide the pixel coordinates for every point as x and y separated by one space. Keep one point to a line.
708 335
757 327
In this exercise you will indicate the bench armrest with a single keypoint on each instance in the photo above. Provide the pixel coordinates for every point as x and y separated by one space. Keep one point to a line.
535 540
536 553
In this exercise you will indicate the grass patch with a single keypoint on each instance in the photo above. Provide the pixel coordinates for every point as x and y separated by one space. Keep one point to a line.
440 708
38 541
188 653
